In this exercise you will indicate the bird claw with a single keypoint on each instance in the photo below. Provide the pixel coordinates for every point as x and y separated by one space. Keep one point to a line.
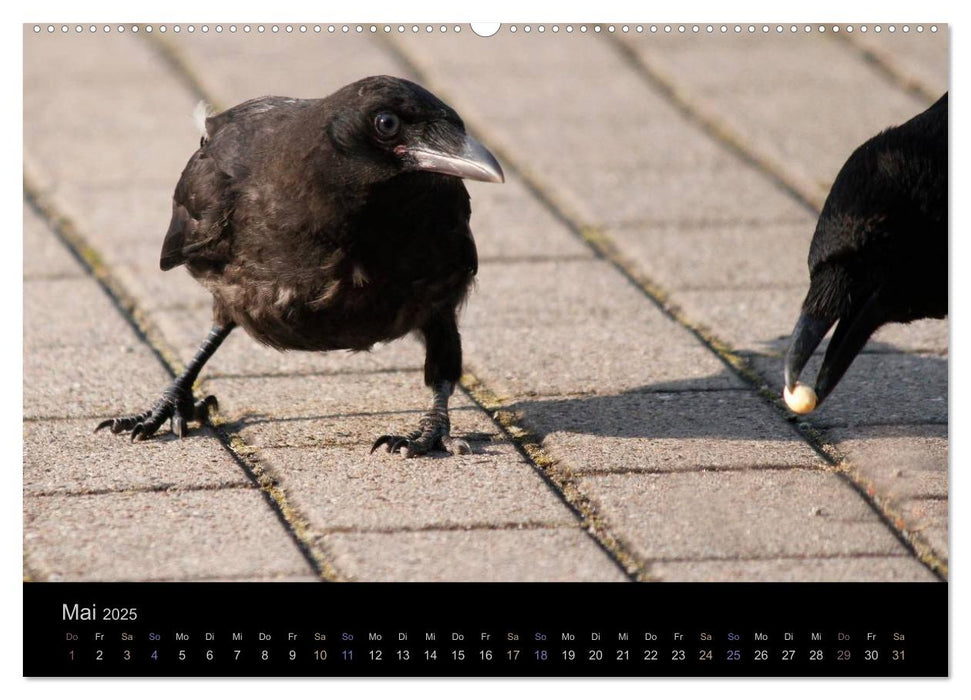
421 443
176 406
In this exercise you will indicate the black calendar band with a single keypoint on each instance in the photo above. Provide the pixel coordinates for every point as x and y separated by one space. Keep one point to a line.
471 629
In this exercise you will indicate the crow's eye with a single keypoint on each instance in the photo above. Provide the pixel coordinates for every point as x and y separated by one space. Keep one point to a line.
387 124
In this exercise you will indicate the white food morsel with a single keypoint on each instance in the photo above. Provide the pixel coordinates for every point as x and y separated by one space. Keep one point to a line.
800 400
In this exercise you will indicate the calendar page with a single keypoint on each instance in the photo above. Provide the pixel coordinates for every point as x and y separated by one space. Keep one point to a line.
518 349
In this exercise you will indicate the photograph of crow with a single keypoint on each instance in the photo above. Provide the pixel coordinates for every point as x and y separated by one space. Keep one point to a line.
329 224
879 253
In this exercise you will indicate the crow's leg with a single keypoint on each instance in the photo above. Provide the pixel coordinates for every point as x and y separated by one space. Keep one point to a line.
443 367
177 403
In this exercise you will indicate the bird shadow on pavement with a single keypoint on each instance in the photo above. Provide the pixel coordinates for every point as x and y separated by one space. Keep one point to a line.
883 387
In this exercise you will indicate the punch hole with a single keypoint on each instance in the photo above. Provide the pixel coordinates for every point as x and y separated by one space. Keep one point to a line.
694 29
275 28
79 29
414 29
289 29
583 28
93 29
512 29
849 28
64 29
625 29
905 29
709 29
527 29
458 29
919 28
836 28
569 28
863 28
934 28
204 28
121 28
134 29
891 29
330 29
640 29
36 28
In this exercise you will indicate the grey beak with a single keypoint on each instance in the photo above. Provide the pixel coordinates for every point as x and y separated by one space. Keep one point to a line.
470 160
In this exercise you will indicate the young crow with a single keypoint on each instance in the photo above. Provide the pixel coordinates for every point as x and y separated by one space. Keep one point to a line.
330 224
879 253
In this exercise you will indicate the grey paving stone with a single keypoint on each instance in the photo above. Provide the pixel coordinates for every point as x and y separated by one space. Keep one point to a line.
929 517
717 257
67 456
563 293
841 569
92 119
240 355
237 67
324 396
72 312
344 488
761 321
71 382
174 535
361 430
877 389
920 58
44 255
589 358
561 554
657 431
901 461
739 514
156 290
642 162
804 126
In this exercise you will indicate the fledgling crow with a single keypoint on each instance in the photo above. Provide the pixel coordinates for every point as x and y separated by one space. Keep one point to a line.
330 224
879 253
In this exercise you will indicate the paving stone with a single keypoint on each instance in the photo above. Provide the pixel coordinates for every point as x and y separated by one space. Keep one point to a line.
652 166
71 382
240 355
739 514
589 358
173 535
929 517
73 87
67 456
901 461
561 554
761 321
878 388
324 396
74 312
345 488
44 254
656 431
920 58
719 257
805 126
562 293
840 569
237 67
156 290
361 430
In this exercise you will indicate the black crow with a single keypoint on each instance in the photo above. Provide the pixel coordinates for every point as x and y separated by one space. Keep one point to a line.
879 253
330 224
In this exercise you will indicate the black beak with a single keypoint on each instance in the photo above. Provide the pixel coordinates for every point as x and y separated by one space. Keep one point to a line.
806 337
851 334
449 151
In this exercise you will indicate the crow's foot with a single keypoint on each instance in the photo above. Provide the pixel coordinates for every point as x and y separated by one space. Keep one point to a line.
433 435
176 405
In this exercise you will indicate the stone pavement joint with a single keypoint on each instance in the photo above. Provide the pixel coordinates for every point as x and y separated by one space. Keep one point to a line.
293 522
560 477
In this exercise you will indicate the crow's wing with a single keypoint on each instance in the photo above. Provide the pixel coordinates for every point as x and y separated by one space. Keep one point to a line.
202 206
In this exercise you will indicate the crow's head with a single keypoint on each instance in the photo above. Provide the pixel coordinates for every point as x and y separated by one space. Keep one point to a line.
389 126
879 253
